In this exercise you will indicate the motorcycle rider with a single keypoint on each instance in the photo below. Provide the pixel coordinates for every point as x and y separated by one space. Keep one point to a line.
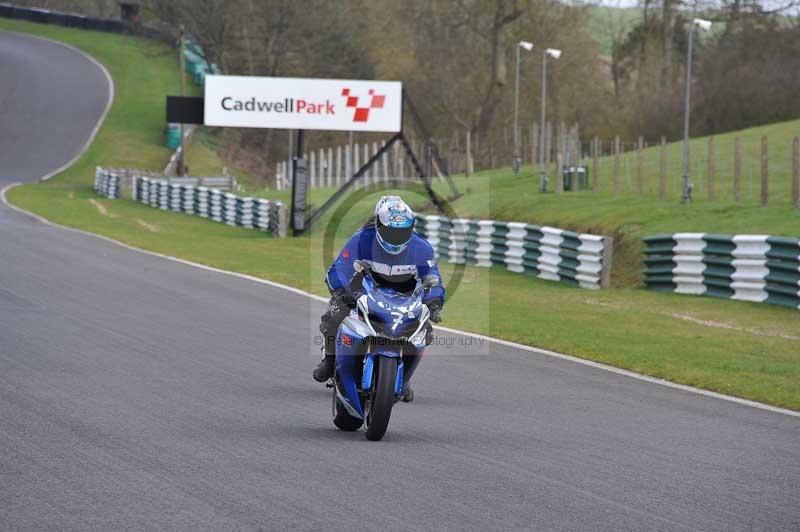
398 258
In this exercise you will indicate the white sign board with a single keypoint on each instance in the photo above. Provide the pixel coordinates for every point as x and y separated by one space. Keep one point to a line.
302 103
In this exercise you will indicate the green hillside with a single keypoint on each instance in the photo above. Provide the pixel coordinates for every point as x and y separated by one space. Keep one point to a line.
499 194
605 23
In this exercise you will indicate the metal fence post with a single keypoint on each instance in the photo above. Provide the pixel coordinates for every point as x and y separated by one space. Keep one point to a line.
639 167
795 172
737 169
662 169
764 172
616 166
711 169
595 165
559 174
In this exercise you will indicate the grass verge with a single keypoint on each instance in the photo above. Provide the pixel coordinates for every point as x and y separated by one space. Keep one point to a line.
737 348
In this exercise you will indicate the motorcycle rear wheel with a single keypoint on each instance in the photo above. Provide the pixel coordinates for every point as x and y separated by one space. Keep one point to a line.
381 399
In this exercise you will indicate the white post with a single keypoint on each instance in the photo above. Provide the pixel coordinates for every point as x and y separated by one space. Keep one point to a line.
400 163
368 173
320 168
348 162
385 161
338 166
356 160
329 181
395 160
312 166
377 173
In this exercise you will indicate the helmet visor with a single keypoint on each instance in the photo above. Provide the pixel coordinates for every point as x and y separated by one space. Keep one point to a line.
396 236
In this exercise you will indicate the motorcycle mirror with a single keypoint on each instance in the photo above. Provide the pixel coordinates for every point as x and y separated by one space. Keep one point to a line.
430 281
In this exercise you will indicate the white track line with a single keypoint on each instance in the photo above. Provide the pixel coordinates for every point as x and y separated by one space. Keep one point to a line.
538 351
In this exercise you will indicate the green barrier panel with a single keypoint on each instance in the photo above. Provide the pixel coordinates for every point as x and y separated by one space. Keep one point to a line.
173 136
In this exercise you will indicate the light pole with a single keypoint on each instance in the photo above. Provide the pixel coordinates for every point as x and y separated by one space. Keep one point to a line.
555 54
686 197
516 158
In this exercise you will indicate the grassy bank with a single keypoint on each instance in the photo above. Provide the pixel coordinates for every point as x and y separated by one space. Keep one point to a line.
737 348
499 194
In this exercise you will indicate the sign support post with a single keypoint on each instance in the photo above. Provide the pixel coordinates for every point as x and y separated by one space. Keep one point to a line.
299 186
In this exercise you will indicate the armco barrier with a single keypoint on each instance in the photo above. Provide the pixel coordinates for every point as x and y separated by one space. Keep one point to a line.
74 20
759 268
107 183
546 252
212 203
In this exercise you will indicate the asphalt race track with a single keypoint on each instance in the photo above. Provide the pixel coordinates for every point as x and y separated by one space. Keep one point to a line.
50 99
138 393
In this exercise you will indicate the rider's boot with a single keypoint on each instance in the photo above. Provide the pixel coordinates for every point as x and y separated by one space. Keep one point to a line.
408 394
324 369
410 363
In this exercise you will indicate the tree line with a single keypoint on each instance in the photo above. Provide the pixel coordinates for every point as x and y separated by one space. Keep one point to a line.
457 60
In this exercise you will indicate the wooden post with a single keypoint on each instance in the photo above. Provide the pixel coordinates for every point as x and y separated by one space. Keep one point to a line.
737 169
662 170
764 172
595 165
469 168
795 172
616 166
559 188
639 167
712 167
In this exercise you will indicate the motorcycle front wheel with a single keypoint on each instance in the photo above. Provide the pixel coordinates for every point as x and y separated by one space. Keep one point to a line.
381 400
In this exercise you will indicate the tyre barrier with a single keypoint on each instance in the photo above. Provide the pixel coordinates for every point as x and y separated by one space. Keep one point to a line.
195 62
106 183
545 252
759 268
212 203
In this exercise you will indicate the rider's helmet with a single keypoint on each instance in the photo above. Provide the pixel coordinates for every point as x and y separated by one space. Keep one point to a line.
394 224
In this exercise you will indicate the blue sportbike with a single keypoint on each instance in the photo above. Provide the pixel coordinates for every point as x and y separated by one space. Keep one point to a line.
378 346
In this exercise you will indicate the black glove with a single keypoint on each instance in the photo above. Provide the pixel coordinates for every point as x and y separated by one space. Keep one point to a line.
342 299
429 338
436 310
